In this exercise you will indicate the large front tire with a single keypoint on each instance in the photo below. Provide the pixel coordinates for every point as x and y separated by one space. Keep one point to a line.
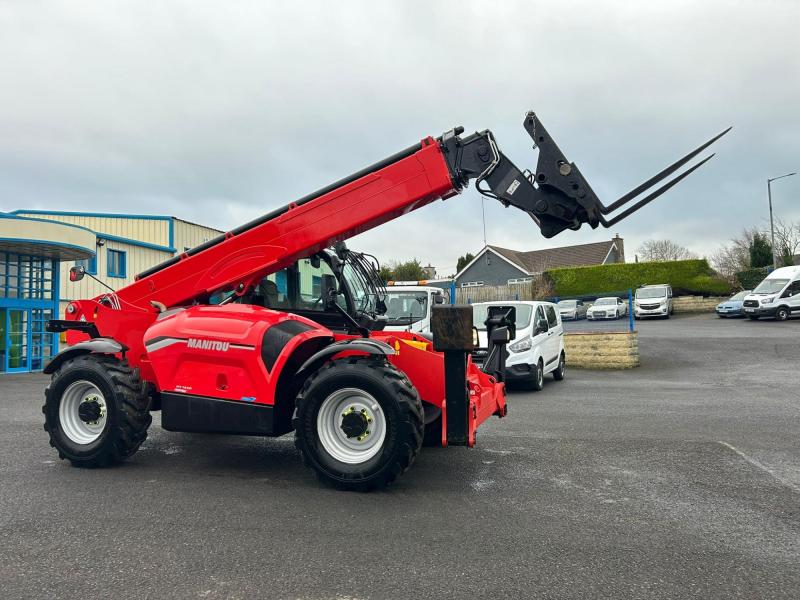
358 423
96 411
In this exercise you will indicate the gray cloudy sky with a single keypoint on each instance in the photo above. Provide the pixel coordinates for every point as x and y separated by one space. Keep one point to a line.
219 111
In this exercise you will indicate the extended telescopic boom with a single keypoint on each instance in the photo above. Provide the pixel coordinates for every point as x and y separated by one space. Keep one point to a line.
556 196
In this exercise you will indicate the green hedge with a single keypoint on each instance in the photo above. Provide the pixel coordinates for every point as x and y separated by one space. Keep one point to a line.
750 278
685 277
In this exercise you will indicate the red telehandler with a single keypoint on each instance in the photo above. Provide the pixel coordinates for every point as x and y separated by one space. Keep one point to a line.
276 326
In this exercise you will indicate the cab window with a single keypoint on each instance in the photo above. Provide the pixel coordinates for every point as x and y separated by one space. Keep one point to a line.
298 287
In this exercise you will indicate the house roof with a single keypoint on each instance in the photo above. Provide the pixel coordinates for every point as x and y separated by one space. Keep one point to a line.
537 261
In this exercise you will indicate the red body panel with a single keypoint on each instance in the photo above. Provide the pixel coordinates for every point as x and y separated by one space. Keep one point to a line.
215 351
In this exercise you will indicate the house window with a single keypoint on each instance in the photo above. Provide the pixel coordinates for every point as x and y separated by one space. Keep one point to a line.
520 280
88 264
472 284
116 263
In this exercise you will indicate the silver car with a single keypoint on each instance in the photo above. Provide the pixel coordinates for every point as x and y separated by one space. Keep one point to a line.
572 310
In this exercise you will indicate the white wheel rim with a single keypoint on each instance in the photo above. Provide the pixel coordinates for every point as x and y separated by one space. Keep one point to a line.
351 450
74 427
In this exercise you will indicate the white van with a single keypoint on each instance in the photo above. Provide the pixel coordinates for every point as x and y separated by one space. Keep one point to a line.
777 296
537 348
653 301
408 307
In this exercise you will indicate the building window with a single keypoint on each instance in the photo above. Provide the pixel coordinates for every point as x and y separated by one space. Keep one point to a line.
520 280
472 284
116 263
25 277
89 265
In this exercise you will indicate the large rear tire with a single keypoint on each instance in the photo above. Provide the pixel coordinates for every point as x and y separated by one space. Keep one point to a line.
96 411
358 423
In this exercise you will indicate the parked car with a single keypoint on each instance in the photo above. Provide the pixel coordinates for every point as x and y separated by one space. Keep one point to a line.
653 301
572 310
777 296
732 307
610 307
408 307
537 348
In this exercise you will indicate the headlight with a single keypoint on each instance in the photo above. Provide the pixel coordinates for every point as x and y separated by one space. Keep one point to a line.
768 300
521 345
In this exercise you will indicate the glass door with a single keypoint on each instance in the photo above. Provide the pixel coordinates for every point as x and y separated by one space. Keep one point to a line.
17 341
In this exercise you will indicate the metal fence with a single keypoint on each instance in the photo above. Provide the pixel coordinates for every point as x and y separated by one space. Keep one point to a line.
583 322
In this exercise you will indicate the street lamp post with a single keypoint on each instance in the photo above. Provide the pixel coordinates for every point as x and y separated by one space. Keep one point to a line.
771 222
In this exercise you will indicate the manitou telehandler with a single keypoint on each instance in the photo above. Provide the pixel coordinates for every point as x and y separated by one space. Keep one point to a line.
276 326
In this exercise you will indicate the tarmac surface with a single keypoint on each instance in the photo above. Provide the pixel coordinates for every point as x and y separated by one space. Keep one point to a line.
679 479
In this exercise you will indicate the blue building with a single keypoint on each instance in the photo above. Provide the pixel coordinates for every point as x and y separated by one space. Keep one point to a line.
37 249
31 252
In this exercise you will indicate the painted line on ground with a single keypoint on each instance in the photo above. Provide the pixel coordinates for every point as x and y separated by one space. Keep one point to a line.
759 465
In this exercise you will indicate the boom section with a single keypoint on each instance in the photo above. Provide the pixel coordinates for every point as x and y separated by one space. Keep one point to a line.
242 257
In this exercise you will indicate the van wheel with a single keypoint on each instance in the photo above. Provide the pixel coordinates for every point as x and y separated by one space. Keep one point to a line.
782 314
537 382
559 373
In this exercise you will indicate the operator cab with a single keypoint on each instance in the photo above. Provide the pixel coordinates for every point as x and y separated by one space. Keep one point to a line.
337 288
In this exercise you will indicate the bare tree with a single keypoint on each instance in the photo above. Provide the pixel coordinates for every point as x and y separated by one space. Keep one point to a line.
787 238
729 260
662 250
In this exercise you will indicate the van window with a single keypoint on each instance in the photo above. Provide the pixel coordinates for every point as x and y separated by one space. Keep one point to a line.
552 320
653 292
793 289
539 315
770 286
480 312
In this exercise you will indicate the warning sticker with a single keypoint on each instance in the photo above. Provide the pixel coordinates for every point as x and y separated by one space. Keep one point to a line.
512 188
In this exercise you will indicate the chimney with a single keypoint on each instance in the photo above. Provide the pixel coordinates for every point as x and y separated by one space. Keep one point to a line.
620 247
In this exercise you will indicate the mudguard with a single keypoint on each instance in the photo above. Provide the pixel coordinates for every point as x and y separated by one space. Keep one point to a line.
364 345
99 345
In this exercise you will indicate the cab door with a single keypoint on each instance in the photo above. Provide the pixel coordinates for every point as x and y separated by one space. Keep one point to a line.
552 348
792 295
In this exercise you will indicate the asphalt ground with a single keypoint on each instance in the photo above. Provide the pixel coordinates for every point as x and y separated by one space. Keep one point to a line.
679 479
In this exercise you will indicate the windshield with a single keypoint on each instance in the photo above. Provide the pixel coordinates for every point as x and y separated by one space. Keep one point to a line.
770 286
658 292
481 311
404 308
365 298
567 304
605 301
740 295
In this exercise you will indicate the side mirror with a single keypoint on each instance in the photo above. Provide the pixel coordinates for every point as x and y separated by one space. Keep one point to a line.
438 299
76 273
541 326
315 261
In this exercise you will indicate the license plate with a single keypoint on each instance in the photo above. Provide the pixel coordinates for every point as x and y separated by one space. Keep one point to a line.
749 310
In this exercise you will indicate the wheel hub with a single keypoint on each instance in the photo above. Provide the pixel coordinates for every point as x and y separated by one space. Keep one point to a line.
355 424
82 412
351 426
90 410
